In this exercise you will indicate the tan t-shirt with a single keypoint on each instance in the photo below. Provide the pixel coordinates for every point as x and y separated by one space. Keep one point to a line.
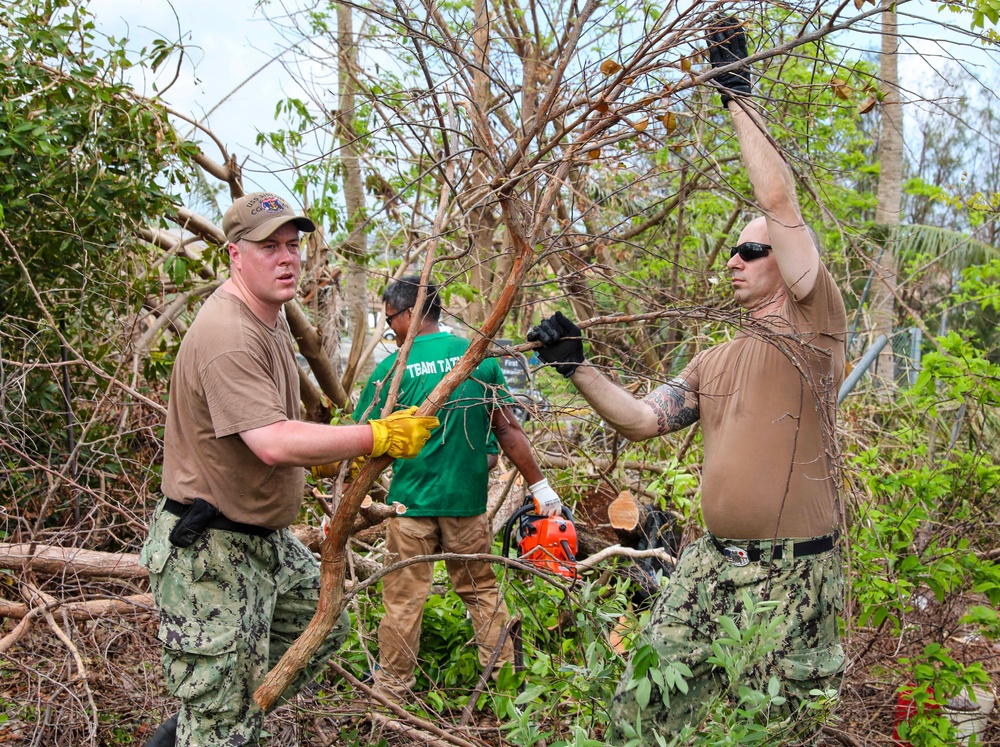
769 429
232 374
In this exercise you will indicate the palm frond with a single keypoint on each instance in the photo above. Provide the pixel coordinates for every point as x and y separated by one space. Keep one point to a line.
948 250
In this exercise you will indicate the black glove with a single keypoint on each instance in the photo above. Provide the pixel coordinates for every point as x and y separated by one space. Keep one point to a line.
726 44
562 344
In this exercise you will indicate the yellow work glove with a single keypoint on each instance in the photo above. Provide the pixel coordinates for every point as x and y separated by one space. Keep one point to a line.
356 464
402 435
329 471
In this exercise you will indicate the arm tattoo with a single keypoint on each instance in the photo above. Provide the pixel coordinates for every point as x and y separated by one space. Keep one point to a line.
669 403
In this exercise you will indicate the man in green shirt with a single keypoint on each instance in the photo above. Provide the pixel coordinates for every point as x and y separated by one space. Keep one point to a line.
445 488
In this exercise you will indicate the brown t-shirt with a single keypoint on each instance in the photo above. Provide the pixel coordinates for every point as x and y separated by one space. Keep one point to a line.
232 374
769 424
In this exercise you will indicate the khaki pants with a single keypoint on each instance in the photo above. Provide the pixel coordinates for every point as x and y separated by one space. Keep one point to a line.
405 591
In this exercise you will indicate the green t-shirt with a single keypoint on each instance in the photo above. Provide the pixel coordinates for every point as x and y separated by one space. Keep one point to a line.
449 477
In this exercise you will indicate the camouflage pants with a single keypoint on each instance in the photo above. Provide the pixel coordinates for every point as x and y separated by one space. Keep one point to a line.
684 622
230 605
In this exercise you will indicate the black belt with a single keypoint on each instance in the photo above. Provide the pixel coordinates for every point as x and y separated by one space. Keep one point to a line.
752 552
218 522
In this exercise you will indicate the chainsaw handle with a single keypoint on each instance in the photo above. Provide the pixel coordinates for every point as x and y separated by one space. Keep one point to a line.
566 549
526 508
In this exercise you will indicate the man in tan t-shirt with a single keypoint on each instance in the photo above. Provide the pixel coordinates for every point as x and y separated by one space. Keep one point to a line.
766 402
233 585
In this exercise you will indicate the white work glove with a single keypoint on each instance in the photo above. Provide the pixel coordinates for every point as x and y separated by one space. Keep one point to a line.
546 501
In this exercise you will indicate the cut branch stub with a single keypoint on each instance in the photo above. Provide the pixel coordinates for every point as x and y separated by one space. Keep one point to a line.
624 512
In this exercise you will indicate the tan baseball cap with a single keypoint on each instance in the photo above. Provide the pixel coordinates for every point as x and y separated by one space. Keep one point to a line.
258 215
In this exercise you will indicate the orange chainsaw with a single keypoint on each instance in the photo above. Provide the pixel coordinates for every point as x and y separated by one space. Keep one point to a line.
546 542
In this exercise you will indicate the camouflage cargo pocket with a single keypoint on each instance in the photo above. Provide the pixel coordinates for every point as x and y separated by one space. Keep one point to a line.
154 556
156 550
812 667
199 663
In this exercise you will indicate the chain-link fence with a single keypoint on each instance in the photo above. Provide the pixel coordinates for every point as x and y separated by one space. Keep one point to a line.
906 354
906 351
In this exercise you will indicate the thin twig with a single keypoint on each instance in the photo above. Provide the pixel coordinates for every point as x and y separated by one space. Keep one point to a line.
398 710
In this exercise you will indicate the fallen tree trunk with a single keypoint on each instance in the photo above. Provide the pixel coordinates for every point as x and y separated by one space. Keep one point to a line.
46 559
625 514
134 604
74 561
589 542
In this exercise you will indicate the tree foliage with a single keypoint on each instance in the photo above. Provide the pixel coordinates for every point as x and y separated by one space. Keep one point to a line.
86 158
86 163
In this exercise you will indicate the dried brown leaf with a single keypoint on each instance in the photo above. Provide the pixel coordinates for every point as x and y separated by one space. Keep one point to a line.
840 89
610 67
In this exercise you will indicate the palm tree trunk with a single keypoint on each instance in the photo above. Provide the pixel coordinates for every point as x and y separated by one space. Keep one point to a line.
887 212
355 250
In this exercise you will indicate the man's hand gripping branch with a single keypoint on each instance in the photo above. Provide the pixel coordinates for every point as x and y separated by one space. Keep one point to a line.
728 44
669 407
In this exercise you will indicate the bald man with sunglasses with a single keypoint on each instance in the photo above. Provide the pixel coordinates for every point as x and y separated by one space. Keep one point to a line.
766 401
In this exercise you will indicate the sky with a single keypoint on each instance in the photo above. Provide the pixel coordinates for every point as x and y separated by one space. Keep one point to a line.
230 79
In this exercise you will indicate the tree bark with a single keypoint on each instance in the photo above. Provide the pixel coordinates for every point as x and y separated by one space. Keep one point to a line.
482 219
93 608
890 185
44 559
311 347
73 561
355 249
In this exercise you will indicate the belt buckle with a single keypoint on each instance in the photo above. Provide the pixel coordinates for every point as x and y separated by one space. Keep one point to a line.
736 556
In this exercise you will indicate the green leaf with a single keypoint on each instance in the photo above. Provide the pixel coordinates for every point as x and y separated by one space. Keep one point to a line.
642 693
773 687
730 627
681 684
530 694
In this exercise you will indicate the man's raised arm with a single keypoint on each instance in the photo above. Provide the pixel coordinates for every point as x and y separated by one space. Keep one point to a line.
773 184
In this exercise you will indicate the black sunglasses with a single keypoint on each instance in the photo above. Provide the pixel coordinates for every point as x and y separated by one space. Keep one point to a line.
750 250
390 317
